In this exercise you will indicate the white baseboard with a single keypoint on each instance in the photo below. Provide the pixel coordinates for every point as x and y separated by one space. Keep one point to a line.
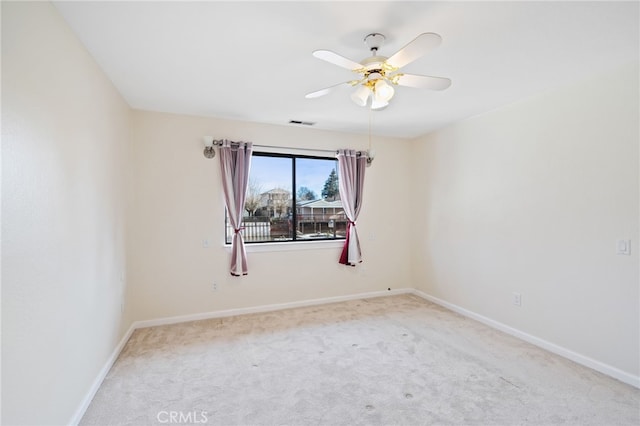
100 377
616 373
266 308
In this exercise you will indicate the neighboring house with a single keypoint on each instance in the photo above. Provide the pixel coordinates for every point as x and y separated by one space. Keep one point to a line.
320 210
313 216
321 216
275 203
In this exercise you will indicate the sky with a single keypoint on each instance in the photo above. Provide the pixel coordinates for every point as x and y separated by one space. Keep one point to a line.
275 172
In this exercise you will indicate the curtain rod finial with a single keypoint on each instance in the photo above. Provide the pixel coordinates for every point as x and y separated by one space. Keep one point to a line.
209 152
370 156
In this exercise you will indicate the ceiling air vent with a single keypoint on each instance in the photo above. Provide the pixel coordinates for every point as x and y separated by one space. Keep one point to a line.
302 123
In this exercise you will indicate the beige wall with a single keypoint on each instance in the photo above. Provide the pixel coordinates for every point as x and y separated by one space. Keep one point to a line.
104 205
531 198
65 136
178 203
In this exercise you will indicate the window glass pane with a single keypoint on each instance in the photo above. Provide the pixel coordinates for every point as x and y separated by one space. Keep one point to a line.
269 201
319 213
269 210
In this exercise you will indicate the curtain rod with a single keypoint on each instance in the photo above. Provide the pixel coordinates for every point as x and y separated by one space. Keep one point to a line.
218 142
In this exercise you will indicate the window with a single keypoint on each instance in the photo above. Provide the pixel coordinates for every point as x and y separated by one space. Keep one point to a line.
291 198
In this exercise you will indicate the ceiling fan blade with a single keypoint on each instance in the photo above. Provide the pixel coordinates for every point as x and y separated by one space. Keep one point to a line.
326 90
420 45
339 60
421 81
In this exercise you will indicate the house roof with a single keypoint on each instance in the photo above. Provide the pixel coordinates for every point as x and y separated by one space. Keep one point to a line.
322 203
276 191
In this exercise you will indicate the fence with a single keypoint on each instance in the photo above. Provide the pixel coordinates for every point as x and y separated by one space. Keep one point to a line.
253 231
274 229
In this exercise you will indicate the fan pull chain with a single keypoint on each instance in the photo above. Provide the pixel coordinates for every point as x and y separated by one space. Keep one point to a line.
370 129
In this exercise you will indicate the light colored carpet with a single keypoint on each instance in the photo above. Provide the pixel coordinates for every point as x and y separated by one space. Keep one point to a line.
396 360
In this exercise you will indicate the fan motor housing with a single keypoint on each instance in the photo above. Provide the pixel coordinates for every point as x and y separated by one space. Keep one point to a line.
375 64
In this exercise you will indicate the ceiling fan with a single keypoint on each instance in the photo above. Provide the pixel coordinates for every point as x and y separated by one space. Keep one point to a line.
378 74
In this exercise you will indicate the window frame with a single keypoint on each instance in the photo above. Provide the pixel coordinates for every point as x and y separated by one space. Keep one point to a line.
294 209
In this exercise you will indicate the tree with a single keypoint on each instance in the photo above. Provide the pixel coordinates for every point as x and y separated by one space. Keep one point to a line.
252 200
305 194
331 191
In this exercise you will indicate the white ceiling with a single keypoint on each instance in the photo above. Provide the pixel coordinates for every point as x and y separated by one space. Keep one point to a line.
252 60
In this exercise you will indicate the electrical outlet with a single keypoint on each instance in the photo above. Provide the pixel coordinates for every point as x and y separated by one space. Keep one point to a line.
214 287
517 299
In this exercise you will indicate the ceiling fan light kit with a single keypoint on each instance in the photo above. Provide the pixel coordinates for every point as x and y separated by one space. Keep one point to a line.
383 91
378 74
361 95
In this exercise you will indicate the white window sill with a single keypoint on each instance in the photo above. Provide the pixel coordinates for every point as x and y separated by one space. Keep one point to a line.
290 246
